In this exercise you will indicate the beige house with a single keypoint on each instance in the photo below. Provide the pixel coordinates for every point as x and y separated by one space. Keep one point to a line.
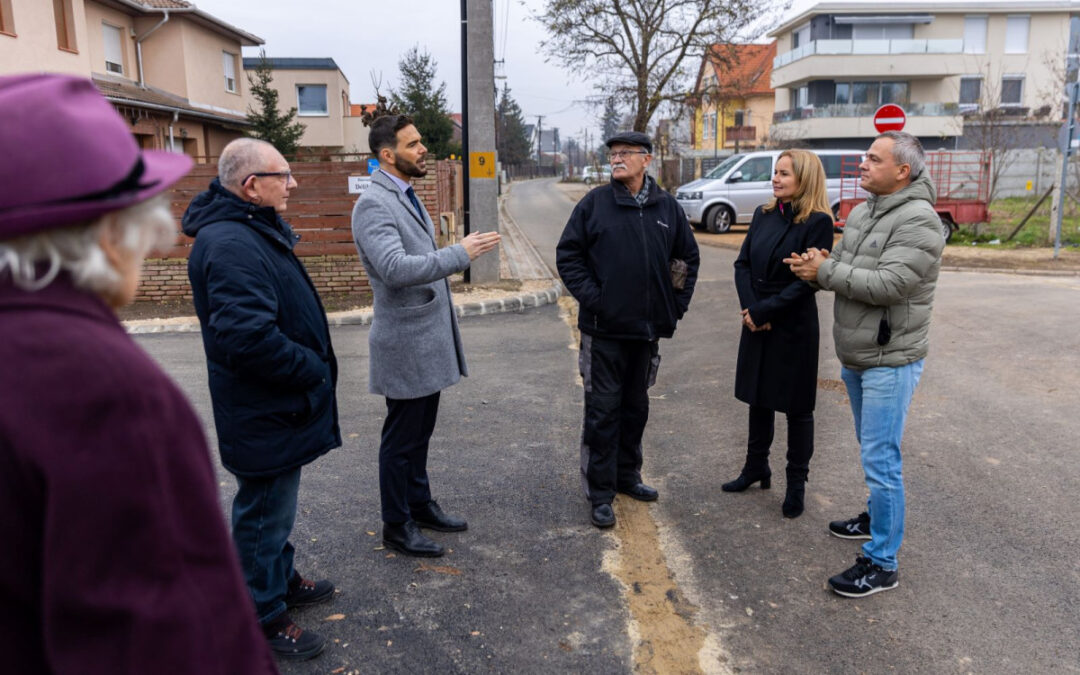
319 91
169 68
947 64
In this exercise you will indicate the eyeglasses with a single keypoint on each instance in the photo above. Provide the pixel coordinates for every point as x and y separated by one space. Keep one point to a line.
287 175
619 154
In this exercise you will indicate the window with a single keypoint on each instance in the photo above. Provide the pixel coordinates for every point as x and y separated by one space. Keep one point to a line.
843 92
800 36
865 92
1012 90
114 49
312 99
872 93
1016 35
756 170
883 31
65 25
974 34
708 125
802 97
970 91
229 61
7 21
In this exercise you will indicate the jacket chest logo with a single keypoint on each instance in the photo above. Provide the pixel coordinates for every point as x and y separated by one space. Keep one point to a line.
873 244
662 224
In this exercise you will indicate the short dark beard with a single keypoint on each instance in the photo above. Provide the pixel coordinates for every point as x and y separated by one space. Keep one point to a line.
407 168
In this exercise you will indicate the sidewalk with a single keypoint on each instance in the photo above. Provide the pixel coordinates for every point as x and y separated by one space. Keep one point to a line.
518 262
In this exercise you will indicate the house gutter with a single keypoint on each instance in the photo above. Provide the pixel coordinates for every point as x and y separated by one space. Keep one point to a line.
175 111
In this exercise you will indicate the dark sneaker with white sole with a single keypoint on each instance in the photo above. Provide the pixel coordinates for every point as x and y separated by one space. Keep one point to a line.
303 592
856 528
864 578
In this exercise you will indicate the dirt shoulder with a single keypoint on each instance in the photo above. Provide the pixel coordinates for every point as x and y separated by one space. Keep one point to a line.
962 256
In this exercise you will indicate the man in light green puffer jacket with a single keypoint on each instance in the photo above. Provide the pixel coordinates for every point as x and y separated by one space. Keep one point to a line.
883 272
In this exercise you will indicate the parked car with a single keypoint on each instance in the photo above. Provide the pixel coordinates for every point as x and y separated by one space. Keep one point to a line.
728 194
596 174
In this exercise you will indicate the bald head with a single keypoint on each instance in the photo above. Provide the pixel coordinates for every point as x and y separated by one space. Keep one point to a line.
241 158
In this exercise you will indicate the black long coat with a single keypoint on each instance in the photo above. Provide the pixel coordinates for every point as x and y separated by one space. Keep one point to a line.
272 370
777 369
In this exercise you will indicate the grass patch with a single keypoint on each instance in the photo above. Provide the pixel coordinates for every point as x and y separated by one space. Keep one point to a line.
1006 214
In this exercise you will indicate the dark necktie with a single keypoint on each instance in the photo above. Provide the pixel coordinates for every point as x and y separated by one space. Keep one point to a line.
415 202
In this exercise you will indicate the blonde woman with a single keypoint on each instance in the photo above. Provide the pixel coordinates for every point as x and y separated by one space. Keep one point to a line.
778 350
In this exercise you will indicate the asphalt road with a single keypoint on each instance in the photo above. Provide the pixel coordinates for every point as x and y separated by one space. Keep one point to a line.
988 581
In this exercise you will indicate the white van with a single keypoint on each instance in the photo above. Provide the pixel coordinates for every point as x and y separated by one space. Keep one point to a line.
730 192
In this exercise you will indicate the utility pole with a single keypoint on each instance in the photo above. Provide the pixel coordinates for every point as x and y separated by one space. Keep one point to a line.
478 130
539 142
1068 132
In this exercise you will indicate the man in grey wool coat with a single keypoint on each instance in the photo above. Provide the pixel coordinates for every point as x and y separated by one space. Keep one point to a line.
415 344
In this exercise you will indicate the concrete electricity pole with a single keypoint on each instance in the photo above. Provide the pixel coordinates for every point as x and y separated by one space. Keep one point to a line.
478 130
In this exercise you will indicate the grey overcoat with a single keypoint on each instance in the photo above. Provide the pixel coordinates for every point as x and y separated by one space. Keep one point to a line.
414 340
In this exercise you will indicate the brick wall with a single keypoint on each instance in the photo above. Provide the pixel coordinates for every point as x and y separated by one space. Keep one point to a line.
320 211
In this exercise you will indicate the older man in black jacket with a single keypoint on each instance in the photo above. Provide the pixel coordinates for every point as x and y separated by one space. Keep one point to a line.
629 258
272 373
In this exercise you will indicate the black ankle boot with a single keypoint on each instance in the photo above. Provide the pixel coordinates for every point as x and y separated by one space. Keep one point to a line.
793 500
747 478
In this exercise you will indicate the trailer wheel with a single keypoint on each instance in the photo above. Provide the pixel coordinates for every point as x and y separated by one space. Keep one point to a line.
947 226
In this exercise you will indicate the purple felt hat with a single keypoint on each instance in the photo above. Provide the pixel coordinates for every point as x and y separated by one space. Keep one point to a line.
66 156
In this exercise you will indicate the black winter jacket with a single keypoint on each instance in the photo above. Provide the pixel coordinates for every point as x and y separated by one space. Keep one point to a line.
272 368
614 257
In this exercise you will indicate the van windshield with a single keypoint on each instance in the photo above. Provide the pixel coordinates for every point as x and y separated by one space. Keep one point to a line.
724 166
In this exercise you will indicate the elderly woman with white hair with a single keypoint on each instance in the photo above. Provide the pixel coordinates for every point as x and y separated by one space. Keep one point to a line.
116 557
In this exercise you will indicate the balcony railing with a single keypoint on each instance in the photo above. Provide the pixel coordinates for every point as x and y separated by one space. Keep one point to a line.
832 47
865 110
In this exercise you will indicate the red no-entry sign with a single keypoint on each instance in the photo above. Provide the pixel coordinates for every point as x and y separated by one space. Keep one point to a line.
889 117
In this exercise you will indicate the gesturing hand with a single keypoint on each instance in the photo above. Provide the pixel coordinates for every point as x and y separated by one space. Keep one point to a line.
479 243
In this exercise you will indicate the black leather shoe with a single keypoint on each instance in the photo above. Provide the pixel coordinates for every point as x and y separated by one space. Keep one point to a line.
793 500
603 516
430 516
304 592
641 492
406 538
748 478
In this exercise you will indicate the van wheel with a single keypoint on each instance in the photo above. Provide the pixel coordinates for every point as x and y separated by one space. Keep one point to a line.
719 219
947 226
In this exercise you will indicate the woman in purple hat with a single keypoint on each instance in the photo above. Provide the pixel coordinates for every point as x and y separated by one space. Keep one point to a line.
116 557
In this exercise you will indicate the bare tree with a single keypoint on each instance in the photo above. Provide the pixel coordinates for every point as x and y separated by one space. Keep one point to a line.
646 51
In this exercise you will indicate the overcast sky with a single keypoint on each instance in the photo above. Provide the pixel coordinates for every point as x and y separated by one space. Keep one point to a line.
365 36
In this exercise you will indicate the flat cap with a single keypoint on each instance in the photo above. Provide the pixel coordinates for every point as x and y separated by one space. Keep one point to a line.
631 138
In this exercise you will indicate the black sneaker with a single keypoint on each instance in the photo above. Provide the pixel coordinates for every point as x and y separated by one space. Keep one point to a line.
856 528
291 642
303 592
864 578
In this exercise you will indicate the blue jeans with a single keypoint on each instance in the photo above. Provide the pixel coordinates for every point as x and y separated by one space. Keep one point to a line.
263 514
879 403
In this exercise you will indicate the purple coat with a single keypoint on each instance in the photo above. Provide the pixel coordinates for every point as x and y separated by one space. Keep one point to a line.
114 554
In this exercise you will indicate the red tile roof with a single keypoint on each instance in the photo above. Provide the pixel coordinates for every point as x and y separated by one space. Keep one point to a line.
358 109
745 69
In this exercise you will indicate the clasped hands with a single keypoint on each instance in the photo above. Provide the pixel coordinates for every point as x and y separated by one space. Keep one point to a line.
805 265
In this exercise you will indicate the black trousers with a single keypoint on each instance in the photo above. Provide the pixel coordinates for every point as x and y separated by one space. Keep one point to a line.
403 479
800 441
616 375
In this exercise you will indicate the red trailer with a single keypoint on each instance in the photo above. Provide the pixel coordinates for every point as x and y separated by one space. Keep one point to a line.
962 179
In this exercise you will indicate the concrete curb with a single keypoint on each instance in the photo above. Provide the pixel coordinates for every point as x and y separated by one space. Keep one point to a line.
514 303
1005 270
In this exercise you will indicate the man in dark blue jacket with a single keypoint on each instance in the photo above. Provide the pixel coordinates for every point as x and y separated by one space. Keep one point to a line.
629 258
272 373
